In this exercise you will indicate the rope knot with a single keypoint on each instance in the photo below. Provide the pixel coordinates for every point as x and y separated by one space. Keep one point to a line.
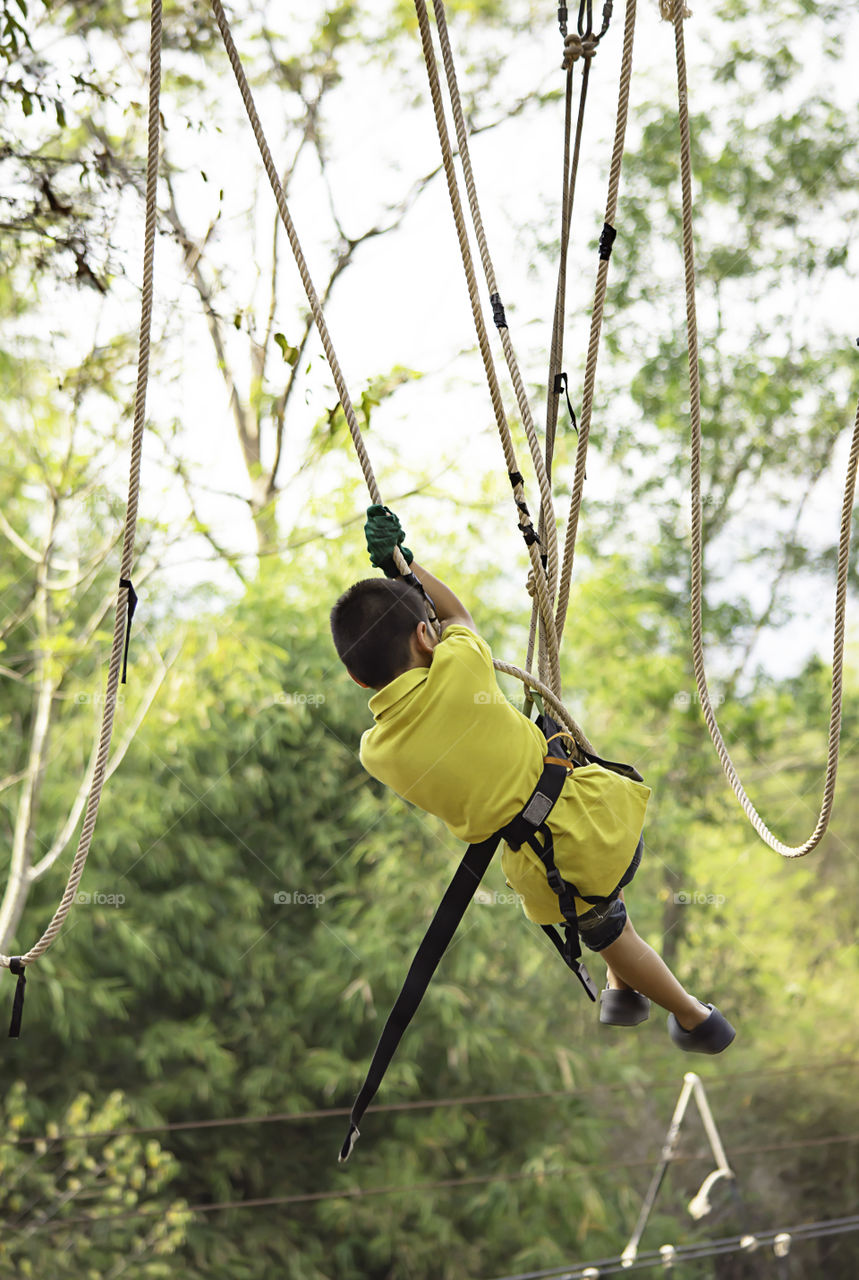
666 10
576 46
531 581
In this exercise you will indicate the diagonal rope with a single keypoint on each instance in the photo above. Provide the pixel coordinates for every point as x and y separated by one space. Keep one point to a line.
247 97
597 317
787 851
525 523
119 631
547 508
295 245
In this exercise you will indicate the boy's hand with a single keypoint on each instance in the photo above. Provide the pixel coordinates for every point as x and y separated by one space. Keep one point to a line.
384 532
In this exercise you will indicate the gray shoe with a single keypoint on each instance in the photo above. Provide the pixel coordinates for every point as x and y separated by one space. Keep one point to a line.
623 1007
710 1036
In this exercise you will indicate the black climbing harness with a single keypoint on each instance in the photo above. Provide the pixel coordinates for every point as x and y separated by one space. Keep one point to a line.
529 826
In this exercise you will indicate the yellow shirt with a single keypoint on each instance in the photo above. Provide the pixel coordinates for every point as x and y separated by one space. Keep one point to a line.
447 740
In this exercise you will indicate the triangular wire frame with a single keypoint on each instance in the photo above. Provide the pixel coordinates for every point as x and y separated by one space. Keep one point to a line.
699 1205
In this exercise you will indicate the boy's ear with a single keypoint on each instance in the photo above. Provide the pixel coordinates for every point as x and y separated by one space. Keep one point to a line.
426 640
357 681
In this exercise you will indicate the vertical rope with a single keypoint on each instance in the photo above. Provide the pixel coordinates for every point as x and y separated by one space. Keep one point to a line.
94 797
556 357
552 699
547 508
596 321
480 328
697 569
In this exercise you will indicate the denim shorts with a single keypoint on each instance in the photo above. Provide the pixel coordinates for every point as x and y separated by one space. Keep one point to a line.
603 924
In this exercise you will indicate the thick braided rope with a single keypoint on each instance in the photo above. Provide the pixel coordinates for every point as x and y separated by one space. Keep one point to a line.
480 328
596 322
316 309
787 851
94 797
547 508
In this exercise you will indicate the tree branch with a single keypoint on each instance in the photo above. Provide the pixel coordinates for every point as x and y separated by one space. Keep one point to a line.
117 756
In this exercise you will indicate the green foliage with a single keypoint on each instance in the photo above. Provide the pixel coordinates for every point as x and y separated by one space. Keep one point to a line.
75 1197
252 900
272 898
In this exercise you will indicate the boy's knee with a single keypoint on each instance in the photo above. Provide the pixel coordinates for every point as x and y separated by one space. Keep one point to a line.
604 925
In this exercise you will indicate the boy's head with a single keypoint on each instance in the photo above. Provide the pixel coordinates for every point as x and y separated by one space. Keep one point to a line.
375 629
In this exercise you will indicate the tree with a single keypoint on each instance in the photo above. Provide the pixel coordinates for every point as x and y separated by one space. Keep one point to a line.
218 990
47 1183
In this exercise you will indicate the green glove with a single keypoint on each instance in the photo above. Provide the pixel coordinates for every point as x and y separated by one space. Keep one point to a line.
383 532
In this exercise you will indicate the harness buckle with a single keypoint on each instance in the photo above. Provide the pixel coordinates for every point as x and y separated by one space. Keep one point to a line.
556 883
585 979
538 809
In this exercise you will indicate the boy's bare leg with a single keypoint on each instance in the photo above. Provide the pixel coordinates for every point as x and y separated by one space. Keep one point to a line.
613 981
637 965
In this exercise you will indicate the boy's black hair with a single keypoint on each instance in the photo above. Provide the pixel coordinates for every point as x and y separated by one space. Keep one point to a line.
371 624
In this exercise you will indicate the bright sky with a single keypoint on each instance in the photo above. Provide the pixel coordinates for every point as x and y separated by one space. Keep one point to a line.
404 302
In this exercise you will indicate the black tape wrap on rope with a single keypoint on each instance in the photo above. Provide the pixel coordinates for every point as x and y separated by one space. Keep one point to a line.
608 235
498 311
529 533
17 966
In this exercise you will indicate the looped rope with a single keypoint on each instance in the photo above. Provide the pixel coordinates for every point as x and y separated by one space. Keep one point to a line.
123 600
697 588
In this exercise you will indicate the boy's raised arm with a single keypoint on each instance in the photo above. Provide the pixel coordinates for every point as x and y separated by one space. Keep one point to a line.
449 608
384 532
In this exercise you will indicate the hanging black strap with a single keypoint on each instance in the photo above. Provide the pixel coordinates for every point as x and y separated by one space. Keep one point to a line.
129 614
414 581
562 384
451 909
17 966
625 770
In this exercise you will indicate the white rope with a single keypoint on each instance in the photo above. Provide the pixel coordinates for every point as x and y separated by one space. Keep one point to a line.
547 505
525 522
119 630
787 851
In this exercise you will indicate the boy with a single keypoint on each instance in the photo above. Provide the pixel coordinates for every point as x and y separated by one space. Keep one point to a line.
446 739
